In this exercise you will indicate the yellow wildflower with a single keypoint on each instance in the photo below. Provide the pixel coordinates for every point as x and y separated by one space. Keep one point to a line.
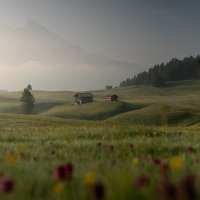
89 178
135 161
176 162
58 188
66 141
10 158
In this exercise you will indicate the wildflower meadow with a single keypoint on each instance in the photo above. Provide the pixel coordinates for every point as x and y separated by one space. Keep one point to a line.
50 159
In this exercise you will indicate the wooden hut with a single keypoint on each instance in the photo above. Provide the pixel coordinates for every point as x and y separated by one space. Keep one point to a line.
112 97
82 98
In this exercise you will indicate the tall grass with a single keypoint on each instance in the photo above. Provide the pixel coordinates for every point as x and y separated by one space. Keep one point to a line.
31 148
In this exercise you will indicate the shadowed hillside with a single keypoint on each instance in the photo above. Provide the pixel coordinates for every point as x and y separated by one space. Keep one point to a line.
160 115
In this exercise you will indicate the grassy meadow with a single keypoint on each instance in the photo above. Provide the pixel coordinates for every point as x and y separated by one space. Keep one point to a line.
146 146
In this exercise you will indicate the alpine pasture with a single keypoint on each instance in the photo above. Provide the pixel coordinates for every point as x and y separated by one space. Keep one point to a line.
146 146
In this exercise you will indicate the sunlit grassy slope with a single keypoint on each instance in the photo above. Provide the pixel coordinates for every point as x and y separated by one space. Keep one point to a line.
138 104
10 101
92 111
154 94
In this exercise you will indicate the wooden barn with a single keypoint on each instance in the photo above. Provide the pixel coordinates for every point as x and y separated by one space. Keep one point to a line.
112 97
82 98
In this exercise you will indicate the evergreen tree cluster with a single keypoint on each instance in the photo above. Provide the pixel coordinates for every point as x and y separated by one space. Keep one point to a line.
175 70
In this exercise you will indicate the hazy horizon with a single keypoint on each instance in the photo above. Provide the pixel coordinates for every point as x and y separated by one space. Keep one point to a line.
87 44
34 54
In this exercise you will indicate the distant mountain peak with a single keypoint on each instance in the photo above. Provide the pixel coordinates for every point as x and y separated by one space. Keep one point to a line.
33 25
36 48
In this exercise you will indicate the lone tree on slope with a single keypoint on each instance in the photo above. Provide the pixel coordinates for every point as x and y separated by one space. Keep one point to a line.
28 100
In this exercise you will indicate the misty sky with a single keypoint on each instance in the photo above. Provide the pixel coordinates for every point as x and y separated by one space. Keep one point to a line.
143 32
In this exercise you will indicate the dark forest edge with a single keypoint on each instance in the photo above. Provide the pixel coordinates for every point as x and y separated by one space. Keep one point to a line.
175 70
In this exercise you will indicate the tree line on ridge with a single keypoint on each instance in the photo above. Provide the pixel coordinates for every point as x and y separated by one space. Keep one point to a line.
175 70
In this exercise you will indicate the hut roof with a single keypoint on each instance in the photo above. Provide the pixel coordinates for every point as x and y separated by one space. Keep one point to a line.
111 95
84 94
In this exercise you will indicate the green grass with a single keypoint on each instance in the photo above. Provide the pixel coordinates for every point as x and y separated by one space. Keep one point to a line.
147 124
179 88
10 101
160 115
40 144
16 108
92 111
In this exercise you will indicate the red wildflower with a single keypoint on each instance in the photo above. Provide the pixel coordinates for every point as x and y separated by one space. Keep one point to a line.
167 190
6 185
156 161
164 168
190 149
99 144
188 186
60 172
68 170
110 148
97 191
64 171
141 181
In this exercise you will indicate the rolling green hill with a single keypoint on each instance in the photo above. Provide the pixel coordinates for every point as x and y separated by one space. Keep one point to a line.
178 88
160 115
182 99
92 111
45 100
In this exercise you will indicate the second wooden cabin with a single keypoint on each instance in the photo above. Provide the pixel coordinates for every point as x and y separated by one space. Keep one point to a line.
112 97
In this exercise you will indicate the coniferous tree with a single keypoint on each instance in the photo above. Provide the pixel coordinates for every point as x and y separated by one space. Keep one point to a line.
175 70
28 100
157 80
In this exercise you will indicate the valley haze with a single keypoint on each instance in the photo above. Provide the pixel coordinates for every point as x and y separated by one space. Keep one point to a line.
87 44
33 54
